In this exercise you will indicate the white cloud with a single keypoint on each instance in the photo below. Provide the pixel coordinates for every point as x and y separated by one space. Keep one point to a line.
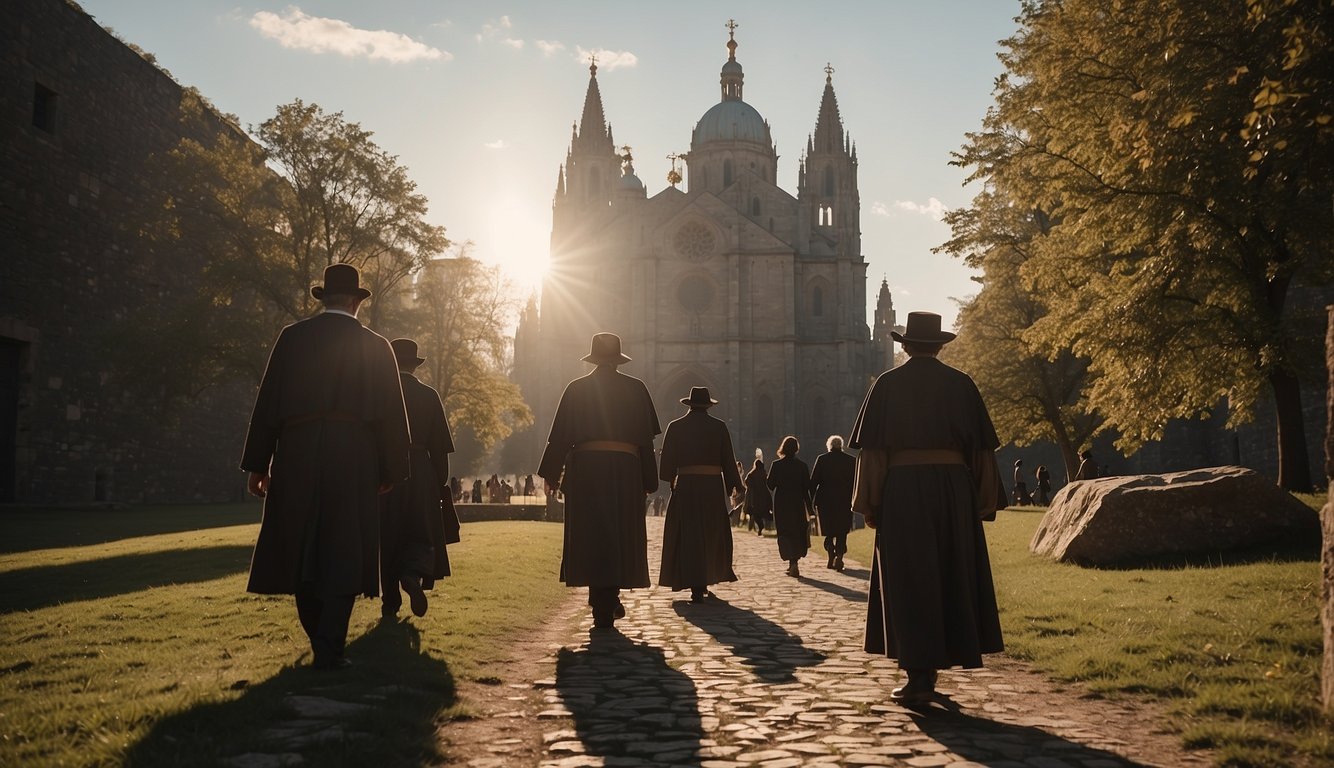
607 59
493 28
295 29
497 144
933 207
879 209
548 47
511 42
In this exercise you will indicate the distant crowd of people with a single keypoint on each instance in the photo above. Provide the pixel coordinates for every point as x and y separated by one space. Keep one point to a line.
350 452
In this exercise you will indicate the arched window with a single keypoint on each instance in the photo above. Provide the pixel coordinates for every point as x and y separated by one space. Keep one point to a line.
764 416
727 172
817 301
829 181
755 206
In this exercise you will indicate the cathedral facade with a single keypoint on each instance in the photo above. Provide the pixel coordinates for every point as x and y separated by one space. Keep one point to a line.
731 283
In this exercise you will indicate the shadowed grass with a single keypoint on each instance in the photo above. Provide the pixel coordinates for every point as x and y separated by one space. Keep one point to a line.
146 649
1234 649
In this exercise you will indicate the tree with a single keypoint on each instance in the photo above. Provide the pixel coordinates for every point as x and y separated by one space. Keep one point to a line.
1183 150
349 202
1032 395
265 218
461 310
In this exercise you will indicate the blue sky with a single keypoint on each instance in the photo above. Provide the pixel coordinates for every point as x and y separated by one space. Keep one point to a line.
477 99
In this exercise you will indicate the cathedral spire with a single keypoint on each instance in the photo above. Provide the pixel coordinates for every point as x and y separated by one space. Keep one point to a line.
829 125
593 123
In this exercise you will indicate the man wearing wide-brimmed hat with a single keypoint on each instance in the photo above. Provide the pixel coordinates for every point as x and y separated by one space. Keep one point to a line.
327 434
600 454
417 518
699 464
926 478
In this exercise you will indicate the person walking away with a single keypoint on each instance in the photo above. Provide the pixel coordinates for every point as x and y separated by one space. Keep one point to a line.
926 478
417 518
699 465
791 483
600 455
759 504
831 487
529 488
1021 494
328 433
1044 485
1087 469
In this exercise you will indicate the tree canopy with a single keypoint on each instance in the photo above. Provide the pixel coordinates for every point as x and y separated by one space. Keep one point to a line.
1181 153
265 216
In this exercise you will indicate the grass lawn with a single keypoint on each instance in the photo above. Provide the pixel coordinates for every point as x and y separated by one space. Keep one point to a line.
1234 649
128 637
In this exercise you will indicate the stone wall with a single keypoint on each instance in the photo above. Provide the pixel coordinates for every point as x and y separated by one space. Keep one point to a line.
1327 526
81 113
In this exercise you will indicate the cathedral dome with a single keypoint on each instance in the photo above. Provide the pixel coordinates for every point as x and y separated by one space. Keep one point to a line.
631 182
732 121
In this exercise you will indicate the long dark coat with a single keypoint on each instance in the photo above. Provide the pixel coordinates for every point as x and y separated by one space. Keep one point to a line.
416 514
329 426
759 504
831 486
791 482
697 535
605 541
932 603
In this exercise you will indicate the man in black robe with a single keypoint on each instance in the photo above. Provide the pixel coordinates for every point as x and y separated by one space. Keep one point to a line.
417 518
698 462
926 478
831 487
328 433
600 455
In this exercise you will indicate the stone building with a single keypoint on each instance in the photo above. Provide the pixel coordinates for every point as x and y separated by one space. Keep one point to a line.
81 113
731 283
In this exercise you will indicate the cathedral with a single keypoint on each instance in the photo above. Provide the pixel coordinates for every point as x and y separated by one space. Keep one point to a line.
731 282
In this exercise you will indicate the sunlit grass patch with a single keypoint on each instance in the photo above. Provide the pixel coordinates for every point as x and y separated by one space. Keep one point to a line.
1233 647
141 645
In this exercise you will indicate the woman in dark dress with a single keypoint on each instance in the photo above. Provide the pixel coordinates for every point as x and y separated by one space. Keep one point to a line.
791 481
759 504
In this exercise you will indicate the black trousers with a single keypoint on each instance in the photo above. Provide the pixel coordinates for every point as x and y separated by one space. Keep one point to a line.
836 545
325 618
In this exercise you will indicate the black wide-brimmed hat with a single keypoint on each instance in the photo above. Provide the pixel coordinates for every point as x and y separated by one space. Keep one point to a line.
340 279
923 328
606 350
405 351
699 398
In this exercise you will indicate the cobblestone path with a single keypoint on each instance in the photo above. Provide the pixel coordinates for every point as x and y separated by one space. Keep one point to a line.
772 674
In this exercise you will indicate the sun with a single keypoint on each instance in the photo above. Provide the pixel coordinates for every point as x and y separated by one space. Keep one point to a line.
517 238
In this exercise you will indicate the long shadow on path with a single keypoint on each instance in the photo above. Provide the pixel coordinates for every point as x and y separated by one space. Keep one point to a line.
773 652
382 711
628 702
27 589
988 742
847 593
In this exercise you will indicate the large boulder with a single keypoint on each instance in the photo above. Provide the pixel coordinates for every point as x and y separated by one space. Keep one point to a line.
1137 518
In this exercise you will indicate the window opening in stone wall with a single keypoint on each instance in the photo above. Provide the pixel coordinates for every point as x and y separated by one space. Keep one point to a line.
817 301
755 206
727 172
44 108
